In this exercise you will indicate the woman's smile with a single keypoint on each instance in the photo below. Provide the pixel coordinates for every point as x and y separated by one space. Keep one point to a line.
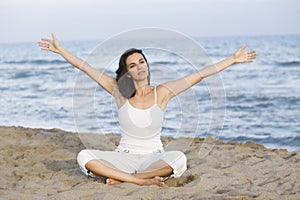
141 73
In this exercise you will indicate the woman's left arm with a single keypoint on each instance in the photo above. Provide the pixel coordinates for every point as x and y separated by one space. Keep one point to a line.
177 86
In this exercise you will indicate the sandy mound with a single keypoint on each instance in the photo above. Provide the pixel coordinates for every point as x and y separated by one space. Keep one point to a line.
41 164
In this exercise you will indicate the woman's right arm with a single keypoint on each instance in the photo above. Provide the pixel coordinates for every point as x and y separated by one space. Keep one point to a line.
105 81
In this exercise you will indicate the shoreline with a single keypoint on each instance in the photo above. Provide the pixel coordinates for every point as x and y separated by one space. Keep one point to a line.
41 164
219 138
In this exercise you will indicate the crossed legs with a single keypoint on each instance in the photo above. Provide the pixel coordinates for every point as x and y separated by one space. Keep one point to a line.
150 176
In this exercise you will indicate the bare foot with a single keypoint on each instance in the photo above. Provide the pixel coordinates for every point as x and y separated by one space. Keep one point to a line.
110 181
151 181
154 181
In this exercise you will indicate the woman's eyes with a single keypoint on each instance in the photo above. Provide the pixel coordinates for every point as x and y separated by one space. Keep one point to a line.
132 66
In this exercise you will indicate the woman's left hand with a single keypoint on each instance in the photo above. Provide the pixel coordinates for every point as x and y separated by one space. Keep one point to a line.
240 56
50 45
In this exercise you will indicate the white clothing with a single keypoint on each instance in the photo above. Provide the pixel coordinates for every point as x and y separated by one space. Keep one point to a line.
133 163
141 128
140 144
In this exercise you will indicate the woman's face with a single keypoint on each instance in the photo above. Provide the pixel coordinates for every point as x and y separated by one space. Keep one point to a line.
137 67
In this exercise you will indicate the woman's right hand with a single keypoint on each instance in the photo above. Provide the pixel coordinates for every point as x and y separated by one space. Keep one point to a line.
50 45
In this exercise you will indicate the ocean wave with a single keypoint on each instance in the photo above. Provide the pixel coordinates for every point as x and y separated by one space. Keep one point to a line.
283 63
288 63
262 99
22 75
36 62
164 63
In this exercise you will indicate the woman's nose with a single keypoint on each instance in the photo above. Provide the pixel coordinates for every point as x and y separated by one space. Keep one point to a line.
140 66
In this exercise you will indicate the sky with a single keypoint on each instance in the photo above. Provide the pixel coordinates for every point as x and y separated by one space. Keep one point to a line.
29 20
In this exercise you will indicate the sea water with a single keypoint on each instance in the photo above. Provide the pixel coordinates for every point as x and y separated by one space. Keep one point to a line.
262 99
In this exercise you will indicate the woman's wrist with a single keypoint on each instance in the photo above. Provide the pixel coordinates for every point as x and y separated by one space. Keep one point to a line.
59 49
232 60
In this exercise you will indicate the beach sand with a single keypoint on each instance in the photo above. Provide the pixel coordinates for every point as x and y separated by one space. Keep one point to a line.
41 164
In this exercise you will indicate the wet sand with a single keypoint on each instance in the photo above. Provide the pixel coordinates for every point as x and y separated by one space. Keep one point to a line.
41 164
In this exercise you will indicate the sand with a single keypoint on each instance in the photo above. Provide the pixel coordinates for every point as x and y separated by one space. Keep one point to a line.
41 164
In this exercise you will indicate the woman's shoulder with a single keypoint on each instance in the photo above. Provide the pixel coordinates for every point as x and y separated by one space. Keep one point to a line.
161 88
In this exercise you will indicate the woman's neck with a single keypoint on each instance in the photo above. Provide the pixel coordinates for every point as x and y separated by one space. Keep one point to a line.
142 90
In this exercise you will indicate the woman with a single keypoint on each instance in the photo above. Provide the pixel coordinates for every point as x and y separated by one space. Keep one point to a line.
140 157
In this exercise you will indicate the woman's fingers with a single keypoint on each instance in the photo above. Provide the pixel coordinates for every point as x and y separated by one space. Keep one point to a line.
251 55
48 44
43 44
53 36
46 39
55 40
243 47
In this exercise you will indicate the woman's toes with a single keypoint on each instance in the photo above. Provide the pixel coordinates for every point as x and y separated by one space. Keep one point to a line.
110 181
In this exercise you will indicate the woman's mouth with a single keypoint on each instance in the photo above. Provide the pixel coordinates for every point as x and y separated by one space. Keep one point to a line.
141 73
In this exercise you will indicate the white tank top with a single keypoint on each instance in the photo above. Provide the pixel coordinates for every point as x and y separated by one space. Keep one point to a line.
141 128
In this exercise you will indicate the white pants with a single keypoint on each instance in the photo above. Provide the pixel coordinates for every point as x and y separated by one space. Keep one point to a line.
133 163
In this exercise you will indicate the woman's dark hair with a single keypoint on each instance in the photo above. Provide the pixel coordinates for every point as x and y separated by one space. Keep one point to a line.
124 81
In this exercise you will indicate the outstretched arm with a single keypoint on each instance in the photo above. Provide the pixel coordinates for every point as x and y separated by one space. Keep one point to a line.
238 57
175 87
107 82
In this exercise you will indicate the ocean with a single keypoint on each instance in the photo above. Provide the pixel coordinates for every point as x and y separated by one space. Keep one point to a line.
261 99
